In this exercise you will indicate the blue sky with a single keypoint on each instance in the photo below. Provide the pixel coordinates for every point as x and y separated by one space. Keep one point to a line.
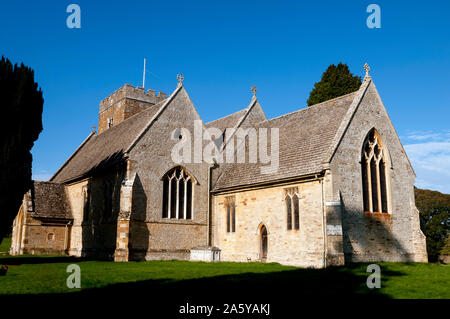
225 47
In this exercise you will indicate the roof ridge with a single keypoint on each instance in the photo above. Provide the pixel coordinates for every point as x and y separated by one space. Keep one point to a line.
224 117
239 122
309 107
345 122
72 156
167 102
392 126
48 182
112 129
133 116
253 102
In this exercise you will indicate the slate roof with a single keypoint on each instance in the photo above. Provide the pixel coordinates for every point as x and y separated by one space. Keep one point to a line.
50 201
227 121
305 137
107 148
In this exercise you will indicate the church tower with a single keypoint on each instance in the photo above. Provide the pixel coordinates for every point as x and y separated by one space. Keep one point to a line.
124 103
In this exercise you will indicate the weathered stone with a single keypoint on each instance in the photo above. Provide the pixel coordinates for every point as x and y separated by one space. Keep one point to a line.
112 189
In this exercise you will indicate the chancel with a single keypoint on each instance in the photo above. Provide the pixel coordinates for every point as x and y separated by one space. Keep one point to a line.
342 191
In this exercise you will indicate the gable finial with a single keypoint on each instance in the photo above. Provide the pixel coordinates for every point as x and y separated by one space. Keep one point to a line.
367 69
180 79
254 89
93 130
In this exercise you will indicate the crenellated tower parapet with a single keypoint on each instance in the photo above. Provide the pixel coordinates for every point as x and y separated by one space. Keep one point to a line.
124 103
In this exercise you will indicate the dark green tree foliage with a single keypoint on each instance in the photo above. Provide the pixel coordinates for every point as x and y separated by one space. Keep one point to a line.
21 104
434 209
336 81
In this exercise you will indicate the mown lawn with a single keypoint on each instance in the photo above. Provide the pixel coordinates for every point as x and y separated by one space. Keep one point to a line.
47 275
5 244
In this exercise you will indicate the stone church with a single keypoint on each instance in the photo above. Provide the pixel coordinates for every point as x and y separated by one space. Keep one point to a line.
342 191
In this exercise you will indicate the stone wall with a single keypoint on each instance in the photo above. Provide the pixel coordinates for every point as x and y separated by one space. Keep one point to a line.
33 236
95 204
164 240
152 236
77 194
333 223
45 239
376 236
266 206
124 103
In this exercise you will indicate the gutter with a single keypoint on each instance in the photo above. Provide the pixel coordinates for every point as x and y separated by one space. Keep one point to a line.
280 182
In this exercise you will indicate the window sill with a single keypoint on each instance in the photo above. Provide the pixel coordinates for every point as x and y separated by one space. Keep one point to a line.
381 217
367 212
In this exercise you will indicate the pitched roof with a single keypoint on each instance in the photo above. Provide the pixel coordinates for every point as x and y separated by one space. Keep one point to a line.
50 201
107 148
237 120
304 140
227 121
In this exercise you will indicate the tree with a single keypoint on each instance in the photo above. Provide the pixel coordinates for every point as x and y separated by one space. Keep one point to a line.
336 81
434 210
21 112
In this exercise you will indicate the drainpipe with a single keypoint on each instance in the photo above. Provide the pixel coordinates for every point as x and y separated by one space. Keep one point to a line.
65 238
209 217
324 230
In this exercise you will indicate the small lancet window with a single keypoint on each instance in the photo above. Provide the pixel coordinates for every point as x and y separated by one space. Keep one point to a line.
296 211
177 194
292 202
289 212
374 171
231 214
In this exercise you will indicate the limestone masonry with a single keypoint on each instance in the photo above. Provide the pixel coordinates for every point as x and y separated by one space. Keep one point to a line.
343 191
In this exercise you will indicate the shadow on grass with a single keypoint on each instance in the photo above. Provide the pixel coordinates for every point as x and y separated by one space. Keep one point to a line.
285 291
34 260
283 287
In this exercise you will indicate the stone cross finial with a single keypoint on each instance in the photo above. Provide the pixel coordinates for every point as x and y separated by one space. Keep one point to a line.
366 68
180 78
254 89
93 129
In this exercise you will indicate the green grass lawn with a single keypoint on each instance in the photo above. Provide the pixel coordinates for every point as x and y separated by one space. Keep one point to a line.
47 275
5 245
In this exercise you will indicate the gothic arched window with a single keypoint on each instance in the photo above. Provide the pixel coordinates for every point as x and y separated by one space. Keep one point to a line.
231 214
177 194
374 167
292 208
